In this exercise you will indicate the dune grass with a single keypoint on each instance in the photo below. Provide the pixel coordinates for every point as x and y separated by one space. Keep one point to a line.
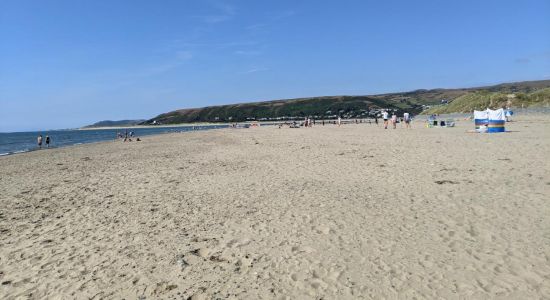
480 100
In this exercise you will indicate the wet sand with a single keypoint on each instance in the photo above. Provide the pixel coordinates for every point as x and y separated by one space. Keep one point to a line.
326 212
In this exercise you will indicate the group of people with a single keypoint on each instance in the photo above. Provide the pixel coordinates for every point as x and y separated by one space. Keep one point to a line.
405 119
128 135
41 140
393 120
308 122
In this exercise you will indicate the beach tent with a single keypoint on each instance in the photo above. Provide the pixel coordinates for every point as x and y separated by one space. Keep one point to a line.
496 120
481 119
489 120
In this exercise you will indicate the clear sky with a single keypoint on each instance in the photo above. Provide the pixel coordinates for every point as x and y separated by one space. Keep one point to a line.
70 63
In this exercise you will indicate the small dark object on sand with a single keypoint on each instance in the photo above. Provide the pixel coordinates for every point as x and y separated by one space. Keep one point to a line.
446 181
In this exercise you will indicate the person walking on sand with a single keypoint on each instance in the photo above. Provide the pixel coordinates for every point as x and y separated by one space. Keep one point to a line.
48 141
385 117
39 141
339 121
407 120
394 120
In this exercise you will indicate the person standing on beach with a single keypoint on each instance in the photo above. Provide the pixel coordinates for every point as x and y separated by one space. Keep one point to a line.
407 119
385 117
339 121
48 141
39 141
394 120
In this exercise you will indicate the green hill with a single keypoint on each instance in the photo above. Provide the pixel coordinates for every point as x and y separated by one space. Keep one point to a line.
480 100
328 107
109 123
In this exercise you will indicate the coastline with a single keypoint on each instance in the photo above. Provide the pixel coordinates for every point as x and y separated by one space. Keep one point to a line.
155 126
23 142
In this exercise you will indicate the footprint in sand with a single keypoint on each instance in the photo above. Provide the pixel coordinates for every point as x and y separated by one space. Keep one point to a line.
322 229
238 243
202 252
304 249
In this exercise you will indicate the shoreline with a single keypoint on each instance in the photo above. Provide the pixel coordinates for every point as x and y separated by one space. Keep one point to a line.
154 126
418 120
19 152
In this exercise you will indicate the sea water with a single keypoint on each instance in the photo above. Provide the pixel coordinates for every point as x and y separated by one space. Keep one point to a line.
18 142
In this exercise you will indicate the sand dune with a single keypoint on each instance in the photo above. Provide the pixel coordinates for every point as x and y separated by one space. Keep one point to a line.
355 212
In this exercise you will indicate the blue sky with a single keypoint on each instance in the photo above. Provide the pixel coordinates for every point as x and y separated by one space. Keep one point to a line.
65 64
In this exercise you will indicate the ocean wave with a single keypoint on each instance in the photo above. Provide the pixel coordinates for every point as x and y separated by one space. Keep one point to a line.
14 152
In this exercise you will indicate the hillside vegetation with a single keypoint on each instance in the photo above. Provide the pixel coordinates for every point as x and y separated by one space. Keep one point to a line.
329 107
320 107
109 123
481 100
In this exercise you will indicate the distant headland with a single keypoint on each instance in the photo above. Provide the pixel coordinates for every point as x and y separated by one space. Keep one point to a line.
515 94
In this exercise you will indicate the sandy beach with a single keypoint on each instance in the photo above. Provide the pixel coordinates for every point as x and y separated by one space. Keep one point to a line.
351 212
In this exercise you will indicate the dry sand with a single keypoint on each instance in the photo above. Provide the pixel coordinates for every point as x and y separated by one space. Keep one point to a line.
327 212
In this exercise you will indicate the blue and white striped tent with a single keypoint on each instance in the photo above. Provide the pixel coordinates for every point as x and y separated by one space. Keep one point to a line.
496 120
481 119
489 120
